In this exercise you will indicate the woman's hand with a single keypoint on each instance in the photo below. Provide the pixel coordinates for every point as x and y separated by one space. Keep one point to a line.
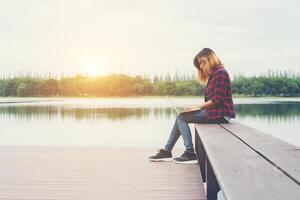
186 109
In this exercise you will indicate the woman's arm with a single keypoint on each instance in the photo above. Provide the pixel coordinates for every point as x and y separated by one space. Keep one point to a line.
222 84
204 105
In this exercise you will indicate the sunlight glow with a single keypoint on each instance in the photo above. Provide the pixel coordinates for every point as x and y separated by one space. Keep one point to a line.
94 67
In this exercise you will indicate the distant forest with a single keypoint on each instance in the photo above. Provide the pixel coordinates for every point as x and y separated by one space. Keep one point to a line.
269 84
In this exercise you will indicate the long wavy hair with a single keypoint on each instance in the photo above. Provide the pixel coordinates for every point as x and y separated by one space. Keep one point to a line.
204 61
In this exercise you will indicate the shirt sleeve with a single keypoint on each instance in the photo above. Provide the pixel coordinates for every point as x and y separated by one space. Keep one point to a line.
222 85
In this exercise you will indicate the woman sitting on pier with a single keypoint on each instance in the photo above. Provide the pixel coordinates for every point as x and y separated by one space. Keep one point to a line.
217 108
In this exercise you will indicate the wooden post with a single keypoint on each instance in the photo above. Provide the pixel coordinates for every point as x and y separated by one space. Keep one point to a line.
201 154
211 183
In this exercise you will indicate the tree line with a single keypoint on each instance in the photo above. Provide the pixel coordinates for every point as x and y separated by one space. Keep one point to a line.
124 85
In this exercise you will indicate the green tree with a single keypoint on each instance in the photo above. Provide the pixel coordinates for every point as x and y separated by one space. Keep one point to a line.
22 90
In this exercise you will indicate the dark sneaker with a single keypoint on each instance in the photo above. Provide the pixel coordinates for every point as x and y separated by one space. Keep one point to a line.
161 155
186 158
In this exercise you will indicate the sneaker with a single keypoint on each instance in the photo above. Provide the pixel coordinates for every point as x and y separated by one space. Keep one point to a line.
186 158
161 155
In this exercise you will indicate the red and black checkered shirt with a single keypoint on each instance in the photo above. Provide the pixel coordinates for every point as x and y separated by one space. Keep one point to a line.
218 90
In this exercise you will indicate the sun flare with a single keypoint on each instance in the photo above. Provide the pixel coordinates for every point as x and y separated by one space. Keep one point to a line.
94 67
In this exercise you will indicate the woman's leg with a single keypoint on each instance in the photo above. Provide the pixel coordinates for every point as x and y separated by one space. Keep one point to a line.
175 133
181 128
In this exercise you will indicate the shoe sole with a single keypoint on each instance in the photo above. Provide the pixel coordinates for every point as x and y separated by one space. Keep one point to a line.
161 160
190 162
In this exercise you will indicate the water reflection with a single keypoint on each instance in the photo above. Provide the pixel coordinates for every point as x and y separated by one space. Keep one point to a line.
51 113
140 126
267 111
282 110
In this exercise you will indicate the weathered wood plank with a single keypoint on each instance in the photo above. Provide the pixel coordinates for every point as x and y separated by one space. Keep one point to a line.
37 172
283 154
242 173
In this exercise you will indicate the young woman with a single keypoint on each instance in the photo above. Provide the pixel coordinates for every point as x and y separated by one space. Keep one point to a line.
217 108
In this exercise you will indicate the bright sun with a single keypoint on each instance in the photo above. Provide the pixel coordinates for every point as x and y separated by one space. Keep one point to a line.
94 67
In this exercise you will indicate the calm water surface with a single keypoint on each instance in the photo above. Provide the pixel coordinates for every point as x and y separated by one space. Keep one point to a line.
128 122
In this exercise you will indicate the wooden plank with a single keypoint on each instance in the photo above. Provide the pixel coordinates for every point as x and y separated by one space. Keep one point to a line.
240 172
284 155
37 172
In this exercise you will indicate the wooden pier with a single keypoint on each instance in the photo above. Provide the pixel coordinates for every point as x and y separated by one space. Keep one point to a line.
86 173
242 162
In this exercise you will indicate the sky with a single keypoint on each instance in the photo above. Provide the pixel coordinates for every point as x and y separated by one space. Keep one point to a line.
147 37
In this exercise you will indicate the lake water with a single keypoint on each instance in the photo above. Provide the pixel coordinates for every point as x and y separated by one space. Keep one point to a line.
128 122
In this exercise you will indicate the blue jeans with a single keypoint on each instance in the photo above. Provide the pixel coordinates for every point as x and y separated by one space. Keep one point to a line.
181 128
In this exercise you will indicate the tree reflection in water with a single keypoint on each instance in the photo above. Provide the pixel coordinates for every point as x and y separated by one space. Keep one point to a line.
282 111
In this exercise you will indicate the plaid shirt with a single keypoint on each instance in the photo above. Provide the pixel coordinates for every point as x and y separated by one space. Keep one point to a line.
218 90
